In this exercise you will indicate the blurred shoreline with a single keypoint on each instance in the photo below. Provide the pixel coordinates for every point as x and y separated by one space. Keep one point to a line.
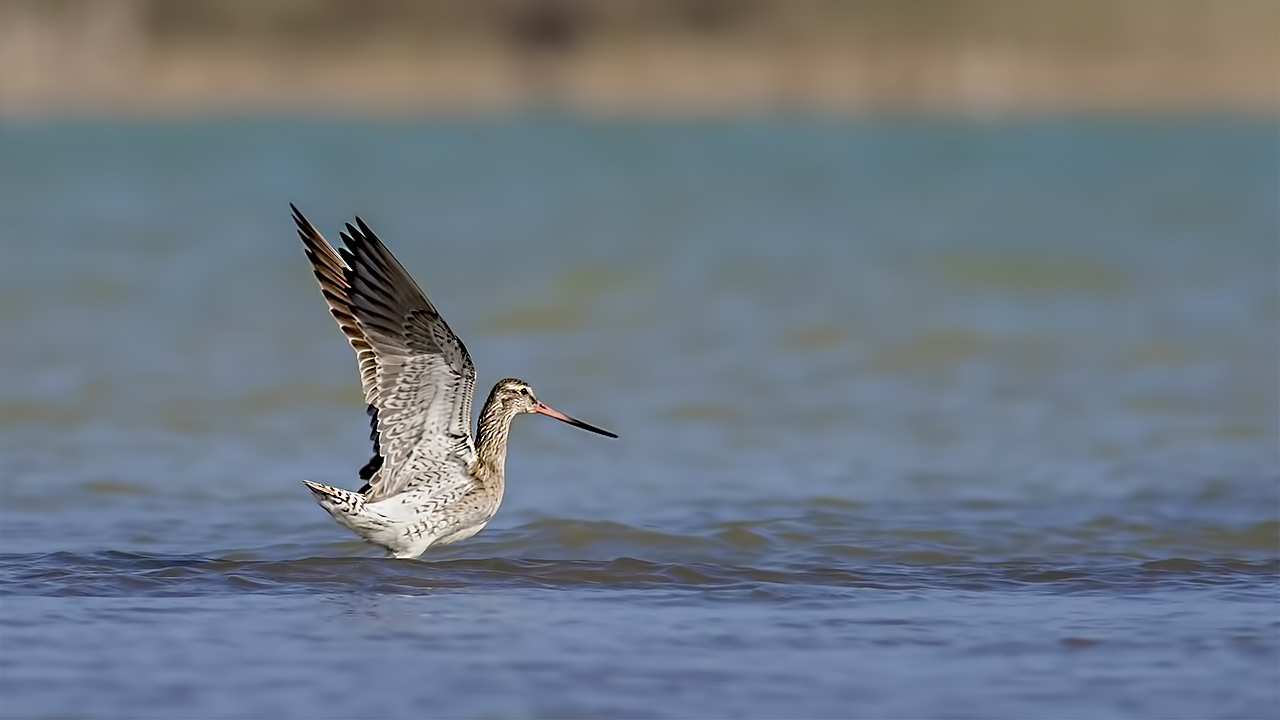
143 58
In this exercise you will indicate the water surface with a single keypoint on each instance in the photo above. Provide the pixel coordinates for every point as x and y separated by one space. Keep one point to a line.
917 420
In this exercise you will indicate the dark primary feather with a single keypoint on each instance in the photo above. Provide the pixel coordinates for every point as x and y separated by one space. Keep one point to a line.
375 462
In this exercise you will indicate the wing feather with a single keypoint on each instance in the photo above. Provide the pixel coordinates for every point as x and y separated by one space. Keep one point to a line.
417 376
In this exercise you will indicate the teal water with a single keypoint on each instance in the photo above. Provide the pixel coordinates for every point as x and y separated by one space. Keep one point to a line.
918 419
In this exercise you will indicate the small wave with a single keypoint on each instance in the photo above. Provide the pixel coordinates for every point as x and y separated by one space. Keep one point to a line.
820 545
116 574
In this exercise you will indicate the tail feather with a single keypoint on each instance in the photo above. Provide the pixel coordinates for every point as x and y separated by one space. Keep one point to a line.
352 512
336 499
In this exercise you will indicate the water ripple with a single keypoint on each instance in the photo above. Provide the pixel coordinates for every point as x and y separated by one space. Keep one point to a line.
116 574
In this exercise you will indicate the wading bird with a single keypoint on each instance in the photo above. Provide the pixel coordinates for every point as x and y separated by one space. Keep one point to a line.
428 483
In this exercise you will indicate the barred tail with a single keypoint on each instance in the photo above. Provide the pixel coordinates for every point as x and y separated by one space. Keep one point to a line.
336 500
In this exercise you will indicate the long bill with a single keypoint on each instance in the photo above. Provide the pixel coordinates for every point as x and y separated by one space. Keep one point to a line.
551 412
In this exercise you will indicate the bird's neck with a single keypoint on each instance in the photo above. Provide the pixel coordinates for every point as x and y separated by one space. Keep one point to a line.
491 442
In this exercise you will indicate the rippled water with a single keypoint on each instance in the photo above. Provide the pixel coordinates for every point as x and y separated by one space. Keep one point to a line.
917 420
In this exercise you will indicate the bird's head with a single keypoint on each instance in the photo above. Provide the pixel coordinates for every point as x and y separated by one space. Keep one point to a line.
516 396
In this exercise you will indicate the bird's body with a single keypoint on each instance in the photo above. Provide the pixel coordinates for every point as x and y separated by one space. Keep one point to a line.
429 483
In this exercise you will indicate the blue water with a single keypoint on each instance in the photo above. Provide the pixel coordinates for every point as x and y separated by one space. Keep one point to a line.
918 419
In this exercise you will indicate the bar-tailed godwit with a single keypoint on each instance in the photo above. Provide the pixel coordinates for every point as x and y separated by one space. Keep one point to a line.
428 483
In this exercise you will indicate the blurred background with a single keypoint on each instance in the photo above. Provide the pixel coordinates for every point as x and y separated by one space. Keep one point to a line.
941 337
651 57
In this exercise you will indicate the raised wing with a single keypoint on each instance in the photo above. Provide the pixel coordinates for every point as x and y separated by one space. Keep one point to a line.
417 376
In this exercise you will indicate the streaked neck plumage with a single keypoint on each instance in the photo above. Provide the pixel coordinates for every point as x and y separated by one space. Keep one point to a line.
491 437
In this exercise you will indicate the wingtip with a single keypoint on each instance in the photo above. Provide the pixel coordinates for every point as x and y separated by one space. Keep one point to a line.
364 228
305 229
